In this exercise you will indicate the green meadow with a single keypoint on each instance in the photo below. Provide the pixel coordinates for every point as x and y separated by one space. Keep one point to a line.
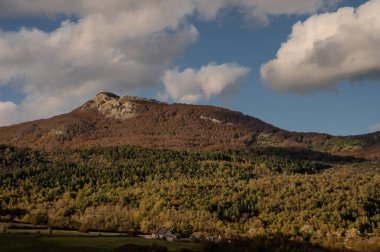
43 243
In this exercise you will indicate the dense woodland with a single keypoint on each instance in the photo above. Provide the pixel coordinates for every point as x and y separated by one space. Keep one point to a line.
302 195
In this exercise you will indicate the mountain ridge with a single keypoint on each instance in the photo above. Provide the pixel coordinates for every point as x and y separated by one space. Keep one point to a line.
110 120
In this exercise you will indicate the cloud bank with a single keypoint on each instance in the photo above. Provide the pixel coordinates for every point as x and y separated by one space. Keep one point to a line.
192 85
80 59
115 45
6 110
326 49
208 9
374 128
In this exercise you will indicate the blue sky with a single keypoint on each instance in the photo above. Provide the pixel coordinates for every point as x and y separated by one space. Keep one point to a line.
232 44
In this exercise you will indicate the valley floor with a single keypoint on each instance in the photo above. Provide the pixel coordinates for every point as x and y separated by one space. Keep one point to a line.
74 243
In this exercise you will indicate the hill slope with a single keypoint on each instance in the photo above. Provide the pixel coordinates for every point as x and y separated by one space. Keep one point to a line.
264 192
110 120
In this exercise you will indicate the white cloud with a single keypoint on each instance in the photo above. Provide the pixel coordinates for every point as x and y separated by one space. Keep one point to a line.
374 128
192 85
88 7
6 111
176 8
114 45
261 10
326 49
7 106
91 53
82 58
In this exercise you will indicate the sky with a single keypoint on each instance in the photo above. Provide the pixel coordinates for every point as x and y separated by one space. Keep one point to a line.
301 65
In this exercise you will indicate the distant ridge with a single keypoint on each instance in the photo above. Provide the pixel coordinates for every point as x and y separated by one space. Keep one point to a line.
111 120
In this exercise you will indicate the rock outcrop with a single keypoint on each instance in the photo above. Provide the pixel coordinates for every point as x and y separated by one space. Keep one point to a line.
113 106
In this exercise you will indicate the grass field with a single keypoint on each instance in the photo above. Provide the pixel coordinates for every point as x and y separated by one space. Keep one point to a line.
42 243
26 231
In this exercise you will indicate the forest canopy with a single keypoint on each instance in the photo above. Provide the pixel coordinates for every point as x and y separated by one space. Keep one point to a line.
298 193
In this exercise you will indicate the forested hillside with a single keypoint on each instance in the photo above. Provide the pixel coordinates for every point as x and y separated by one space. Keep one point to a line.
301 194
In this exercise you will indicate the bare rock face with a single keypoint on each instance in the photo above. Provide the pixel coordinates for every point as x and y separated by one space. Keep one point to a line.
113 106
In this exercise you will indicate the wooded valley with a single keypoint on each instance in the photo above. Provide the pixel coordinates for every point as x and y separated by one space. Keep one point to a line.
303 195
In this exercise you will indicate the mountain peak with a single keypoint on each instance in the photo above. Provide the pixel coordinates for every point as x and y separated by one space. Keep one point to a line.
106 95
118 107
114 106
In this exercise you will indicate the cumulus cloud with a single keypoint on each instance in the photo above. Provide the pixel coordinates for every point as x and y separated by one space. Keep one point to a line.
209 9
96 53
261 10
328 48
374 128
7 110
192 85
87 54
115 45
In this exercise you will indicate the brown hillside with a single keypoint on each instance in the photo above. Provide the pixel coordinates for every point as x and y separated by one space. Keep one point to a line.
109 120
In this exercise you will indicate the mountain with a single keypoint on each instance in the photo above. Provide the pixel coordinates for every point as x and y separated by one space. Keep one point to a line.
261 182
110 120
